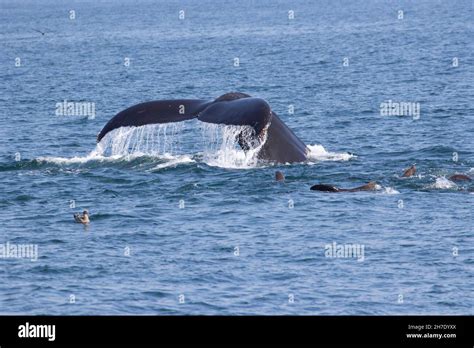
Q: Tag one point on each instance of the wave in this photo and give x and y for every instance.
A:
(319, 153)
(172, 161)
(76, 160)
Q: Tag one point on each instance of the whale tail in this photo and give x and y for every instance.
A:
(281, 144)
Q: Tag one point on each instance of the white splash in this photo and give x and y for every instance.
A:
(172, 161)
(222, 148)
(128, 143)
(92, 156)
(319, 153)
(151, 140)
(390, 191)
(443, 183)
(64, 160)
(386, 190)
(413, 177)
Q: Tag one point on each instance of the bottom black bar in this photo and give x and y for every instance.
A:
(452, 331)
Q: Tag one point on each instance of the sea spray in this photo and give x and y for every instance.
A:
(221, 147)
(153, 140)
(319, 153)
(443, 183)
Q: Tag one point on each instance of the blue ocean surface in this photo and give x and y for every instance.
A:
(182, 220)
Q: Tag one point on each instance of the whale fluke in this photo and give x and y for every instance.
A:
(281, 144)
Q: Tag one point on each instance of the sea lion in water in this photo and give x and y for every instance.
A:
(329, 188)
(280, 145)
(279, 176)
(409, 172)
(460, 177)
(82, 219)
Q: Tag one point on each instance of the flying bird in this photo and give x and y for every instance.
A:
(39, 31)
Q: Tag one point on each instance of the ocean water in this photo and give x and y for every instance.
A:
(182, 222)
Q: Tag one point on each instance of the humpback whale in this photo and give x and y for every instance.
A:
(278, 142)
